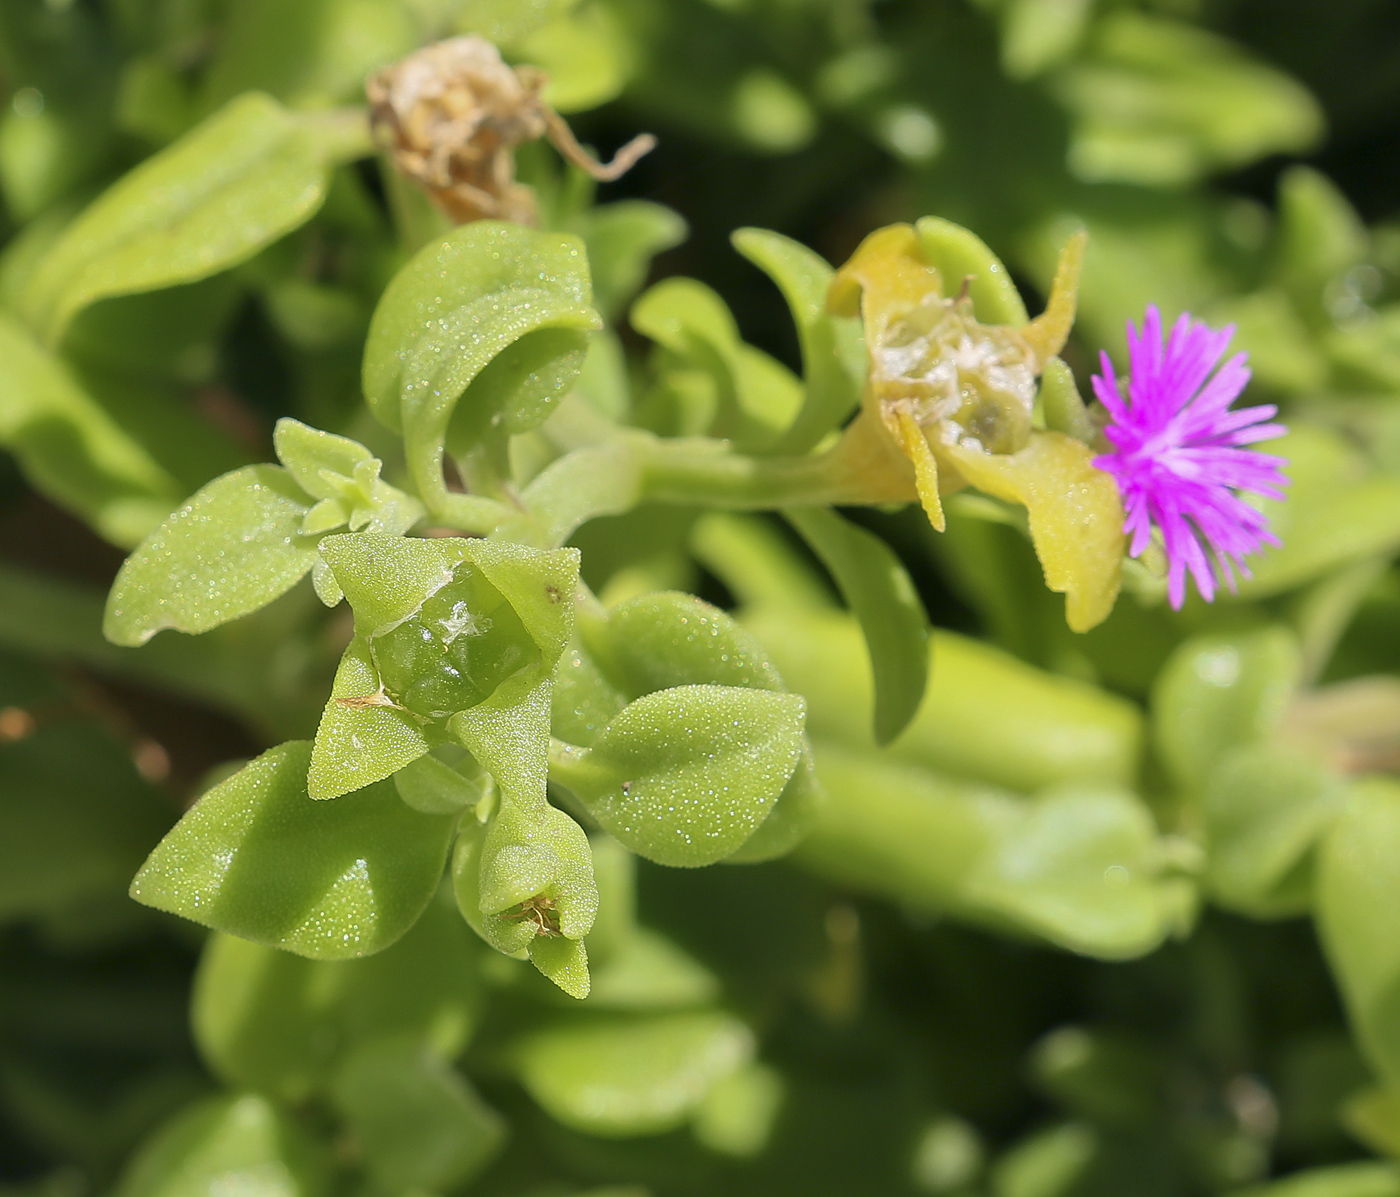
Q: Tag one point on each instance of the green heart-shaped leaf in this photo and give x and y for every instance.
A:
(232, 549)
(658, 641)
(684, 776)
(257, 857)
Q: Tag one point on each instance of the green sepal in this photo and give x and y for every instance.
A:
(386, 578)
(413, 601)
(684, 776)
(524, 882)
(508, 734)
(527, 880)
(256, 857)
(1062, 404)
(563, 961)
(361, 742)
(958, 254)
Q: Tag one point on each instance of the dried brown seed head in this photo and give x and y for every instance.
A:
(451, 116)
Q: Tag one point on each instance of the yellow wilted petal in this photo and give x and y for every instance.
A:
(1076, 516)
(1048, 332)
(915, 446)
(886, 276)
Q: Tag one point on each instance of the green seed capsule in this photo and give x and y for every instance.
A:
(455, 650)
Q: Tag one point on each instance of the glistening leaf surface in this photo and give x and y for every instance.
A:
(685, 776)
(457, 305)
(666, 639)
(257, 857)
(233, 548)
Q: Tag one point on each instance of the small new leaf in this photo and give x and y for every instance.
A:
(232, 549)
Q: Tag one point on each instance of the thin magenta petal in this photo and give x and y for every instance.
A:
(1179, 454)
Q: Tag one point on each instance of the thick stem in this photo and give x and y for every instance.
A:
(863, 468)
(342, 134)
(610, 470)
(476, 515)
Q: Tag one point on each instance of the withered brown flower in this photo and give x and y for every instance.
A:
(451, 116)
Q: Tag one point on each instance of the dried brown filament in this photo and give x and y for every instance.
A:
(451, 115)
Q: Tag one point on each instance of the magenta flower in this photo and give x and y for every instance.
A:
(1178, 456)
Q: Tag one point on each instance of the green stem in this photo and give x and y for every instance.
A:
(708, 472)
(610, 470)
(343, 134)
(475, 515)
